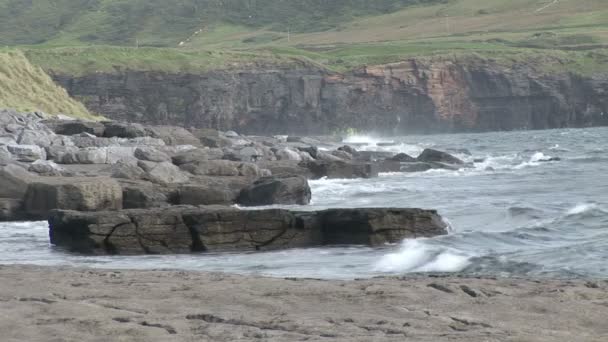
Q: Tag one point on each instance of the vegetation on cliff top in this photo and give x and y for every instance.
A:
(26, 87)
(80, 36)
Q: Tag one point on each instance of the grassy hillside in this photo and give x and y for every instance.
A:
(28, 88)
(80, 36)
(166, 23)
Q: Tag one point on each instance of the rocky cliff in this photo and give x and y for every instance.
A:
(413, 96)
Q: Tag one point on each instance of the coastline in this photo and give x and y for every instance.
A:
(69, 304)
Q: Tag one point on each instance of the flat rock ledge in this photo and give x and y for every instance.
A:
(187, 229)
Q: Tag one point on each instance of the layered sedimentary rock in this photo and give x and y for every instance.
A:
(185, 229)
(417, 95)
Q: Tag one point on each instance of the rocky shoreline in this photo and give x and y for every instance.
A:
(66, 304)
(137, 189)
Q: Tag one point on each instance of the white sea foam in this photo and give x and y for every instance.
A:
(369, 143)
(417, 256)
(582, 208)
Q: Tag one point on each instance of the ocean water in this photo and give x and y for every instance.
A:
(513, 213)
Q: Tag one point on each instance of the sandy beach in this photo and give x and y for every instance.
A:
(67, 304)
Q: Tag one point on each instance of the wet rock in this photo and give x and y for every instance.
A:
(430, 155)
(11, 209)
(404, 158)
(184, 229)
(342, 155)
(287, 167)
(312, 150)
(83, 194)
(276, 190)
(342, 169)
(348, 149)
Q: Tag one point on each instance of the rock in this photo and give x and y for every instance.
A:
(231, 134)
(151, 154)
(348, 149)
(215, 141)
(14, 181)
(286, 168)
(172, 135)
(5, 155)
(83, 194)
(312, 150)
(127, 171)
(376, 227)
(342, 169)
(74, 127)
(143, 195)
(430, 155)
(89, 155)
(276, 190)
(403, 158)
(40, 138)
(47, 168)
(124, 130)
(250, 154)
(222, 168)
(550, 159)
(373, 156)
(204, 195)
(190, 156)
(27, 153)
(11, 209)
(163, 173)
(288, 154)
(342, 155)
(211, 229)
(324, 156)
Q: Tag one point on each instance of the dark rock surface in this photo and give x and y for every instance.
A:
(206, 229)
(276, 190)
(416, 95)
(430, 155)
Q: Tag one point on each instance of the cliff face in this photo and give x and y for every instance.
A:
(413, 96)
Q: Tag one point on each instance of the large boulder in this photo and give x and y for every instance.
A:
(196, 156)
(47, 168)
(288, 154)
(342, 169)
(276, 190)
(163, 173)
(14, 181)
(143, 195)
(286, 168)
(222, 168)
(27, 153)
(210, 191)
(186, 229)
(83, 194)
(127, 171)
(430, 155)
(172, 135)
(72, 127)
(11, 209)
(124, 130)
(378, 226)
(151, 154)
(403, 158)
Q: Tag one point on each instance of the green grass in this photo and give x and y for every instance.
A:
(26, 87)
(166, 23)
(86, 36)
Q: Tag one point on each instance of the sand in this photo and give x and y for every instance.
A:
(68, 304)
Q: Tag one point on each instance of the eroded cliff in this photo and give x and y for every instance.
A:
(416, 95)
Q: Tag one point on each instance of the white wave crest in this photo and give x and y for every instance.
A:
(369, 143)
(582, 208)
(416, 256)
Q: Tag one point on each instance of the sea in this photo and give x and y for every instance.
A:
(530, 204)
